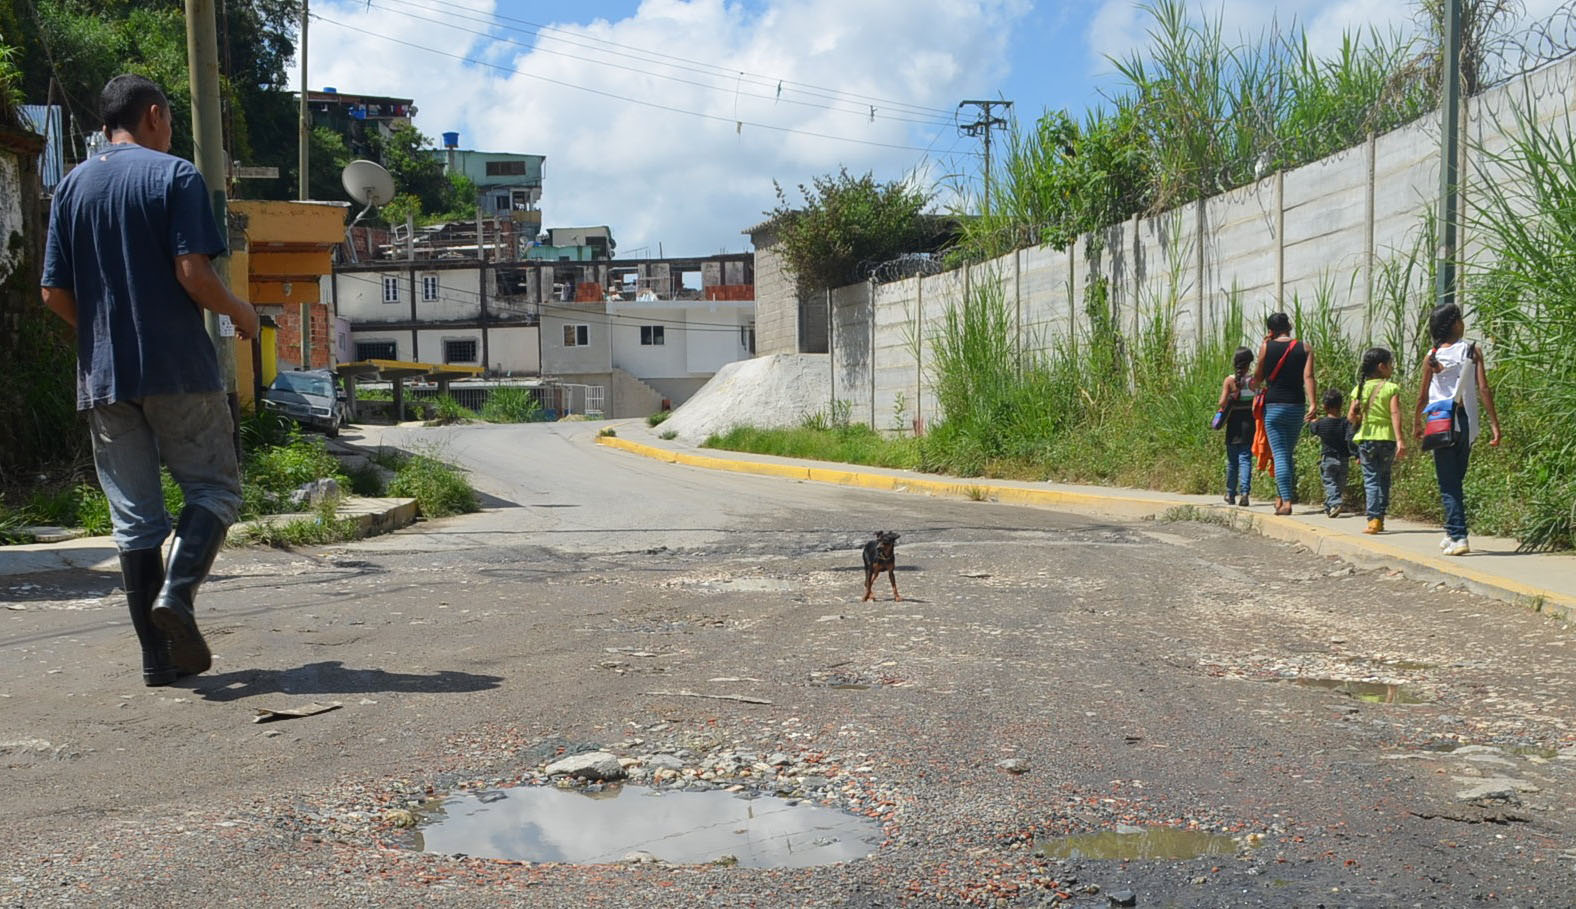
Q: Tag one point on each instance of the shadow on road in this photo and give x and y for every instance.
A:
(333, 677)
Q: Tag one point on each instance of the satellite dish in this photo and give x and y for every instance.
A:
(368, 183)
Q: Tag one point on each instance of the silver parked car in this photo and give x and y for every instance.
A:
(310, 397)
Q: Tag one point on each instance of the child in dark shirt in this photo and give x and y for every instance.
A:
(1334, 452)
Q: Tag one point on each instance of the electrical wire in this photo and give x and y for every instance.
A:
(577, 39)
(614, 95)
(861, 112)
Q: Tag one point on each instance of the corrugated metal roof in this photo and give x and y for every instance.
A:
(44, 119)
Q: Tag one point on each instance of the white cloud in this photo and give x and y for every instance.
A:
(663, 176)
(1120, 27)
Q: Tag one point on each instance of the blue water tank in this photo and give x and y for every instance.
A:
(451, 140)
(329, 89)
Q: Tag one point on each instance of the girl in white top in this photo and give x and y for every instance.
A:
(1454, 370)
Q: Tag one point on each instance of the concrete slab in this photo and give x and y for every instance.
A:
(375, 516)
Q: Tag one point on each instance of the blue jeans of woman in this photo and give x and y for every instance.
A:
(1239, 468)
(1450, 468)
(1283, 425)
(1378, 457)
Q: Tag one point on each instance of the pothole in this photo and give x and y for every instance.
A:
(640, 824)
(1129, 843)
(1369, 692)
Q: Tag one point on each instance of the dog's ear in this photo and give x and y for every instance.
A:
(880, 534)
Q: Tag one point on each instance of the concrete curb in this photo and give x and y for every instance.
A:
(1368, 552)
(374, 516)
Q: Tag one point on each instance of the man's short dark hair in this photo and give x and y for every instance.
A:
(126, 98)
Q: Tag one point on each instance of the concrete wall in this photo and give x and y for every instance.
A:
(360, 295)
(1333, 233)
(784, 322)
(560, 359)
(699, 337)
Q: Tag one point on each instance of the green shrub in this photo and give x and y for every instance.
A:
(365, 480)
(438, 488)
(668, 435)
(606, 432)
(267, 429)
(322, 528)
(658, 418)
(272, 474)
(92, 511)
(511, 405)
(447, 411)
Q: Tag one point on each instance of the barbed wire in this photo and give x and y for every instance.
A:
(903, 267)
(1513, 54)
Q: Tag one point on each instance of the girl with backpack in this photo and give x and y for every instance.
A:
(1376, 412)
(1447, 423)
(1237, 394)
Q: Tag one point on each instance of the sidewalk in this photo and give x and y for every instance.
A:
(1542, 582)
(373, 515)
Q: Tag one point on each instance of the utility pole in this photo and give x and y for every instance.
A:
(306, 122)
(1449, 178)
(983, 126)
(202, 61)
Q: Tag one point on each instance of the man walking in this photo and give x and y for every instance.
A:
(128, 265)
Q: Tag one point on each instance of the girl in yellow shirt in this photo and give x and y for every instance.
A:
(1376, 412)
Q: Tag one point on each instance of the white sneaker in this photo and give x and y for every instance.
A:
(1457, 547)
(1445, 543)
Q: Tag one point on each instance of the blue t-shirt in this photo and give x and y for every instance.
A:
(119, 220)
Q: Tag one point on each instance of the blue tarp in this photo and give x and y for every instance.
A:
(44, 119)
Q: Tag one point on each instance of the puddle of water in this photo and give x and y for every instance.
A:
(1371, 692)
(1141, 843)
(547, 824)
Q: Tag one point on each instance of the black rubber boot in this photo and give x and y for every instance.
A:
(198, 538)
(143, 573)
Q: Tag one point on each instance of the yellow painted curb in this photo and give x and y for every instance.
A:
(1318, 539)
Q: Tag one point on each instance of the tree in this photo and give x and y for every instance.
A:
(847, 222)
(70, 48)
(405, 152)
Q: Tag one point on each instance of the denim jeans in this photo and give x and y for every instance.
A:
(191, 434)
(1378, 458)
(1332, 471)
(1239, 468)
(1450, 468)
(1283, 425)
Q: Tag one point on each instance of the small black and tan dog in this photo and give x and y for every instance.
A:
(881, 555)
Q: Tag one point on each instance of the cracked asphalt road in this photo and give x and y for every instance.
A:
(1149, 674)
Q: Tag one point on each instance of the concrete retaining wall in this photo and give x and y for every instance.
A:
(1337, 232)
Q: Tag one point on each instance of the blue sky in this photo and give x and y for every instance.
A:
(632, 152)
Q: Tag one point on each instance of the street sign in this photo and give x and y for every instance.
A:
(255, 173)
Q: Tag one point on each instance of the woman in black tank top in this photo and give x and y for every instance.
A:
(1285, 373)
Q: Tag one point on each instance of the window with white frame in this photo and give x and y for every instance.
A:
(651, 335)
(391, 288)
(462, 350)
(429, 288)
(577, 335)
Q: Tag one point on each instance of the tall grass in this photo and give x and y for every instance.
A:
(1525, 301)
(1197, 112)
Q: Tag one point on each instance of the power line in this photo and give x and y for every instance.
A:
(739, 124)
(807, 88)
(863, 111)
